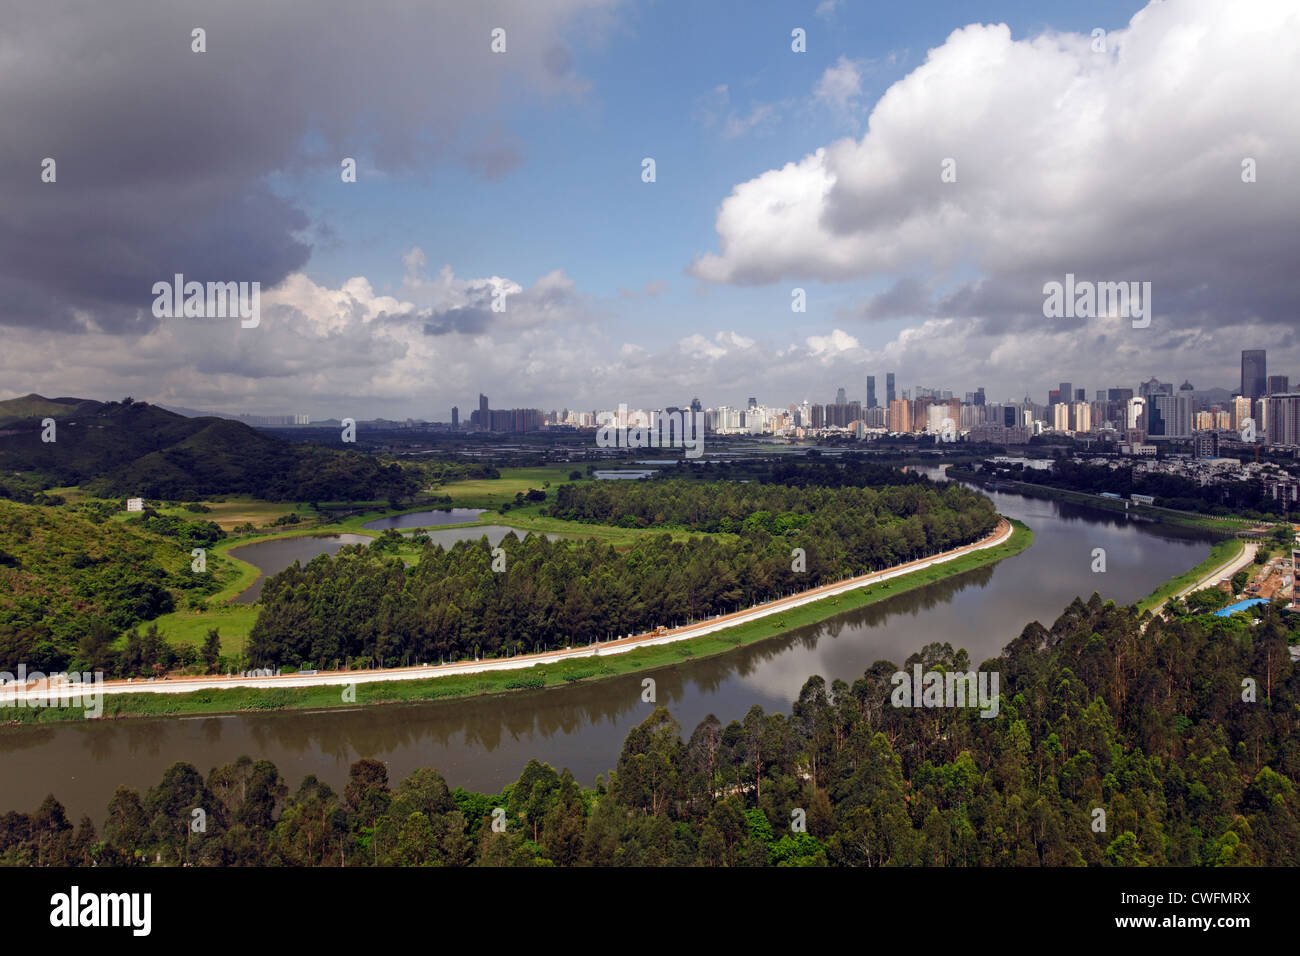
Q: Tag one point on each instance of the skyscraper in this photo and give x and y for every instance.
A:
(1169, 416)
(1284, 419)
(840, 398)
(484, 416)
(1279, 384)
(1254, 373)
(1065, 393)
(455, 418)
(900, 415)
(889, 389)
(871, 391)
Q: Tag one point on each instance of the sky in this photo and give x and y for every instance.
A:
(919, 171)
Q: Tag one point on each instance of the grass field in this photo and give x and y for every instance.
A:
(233, 621)
(537, 677)
(236, 511)
(494, 492)
(1220, 554)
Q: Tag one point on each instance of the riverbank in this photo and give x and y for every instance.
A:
(1166, 516)
(602, 660)
(1225, 559)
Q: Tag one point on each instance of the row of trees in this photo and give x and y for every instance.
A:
(775, 508)
(1111, 747)
(463, 601)
(1171, 491)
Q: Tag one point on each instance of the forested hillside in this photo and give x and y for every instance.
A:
(116, 449)
(362, 605)
(69, 576)
(1095, 715)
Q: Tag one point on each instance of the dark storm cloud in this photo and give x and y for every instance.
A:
(906, 298)
(163, 153)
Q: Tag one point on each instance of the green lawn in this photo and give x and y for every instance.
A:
(234, 621)
(494, 492)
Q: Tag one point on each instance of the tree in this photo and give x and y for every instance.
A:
(211, 651)
(127, 825)
(170, 807)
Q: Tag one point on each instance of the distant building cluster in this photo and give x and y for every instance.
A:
(1263, 410)
(485, 419)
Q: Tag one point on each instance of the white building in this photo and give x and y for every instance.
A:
(135, 504)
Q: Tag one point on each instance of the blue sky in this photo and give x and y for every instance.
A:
(576, 201)
(519, 175)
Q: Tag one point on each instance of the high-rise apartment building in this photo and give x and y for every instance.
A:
(1135, 419)
(1284, 419)
(1169, 416)
(1241, 410)
(900, 414)
(1081, 416)
(1254, 373)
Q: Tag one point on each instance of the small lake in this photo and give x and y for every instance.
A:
(272, 557)
(424, 519)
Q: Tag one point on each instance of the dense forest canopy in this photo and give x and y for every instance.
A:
(1149, 727)
(363, 605)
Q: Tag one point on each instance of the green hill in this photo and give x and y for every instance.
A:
(63, 571)
(121, 449)
(38, 406)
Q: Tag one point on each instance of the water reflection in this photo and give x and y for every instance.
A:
(483, 743)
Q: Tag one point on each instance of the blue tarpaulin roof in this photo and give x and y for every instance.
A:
(1240, 606)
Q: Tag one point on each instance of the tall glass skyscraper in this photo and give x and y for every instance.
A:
(889, 389)
(1254, 373)
(871, 391)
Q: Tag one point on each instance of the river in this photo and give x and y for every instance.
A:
(484, 743)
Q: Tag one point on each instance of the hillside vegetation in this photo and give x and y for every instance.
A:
(132, 448)
(70, 577)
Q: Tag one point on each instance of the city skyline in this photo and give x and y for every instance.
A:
(1274, 384)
